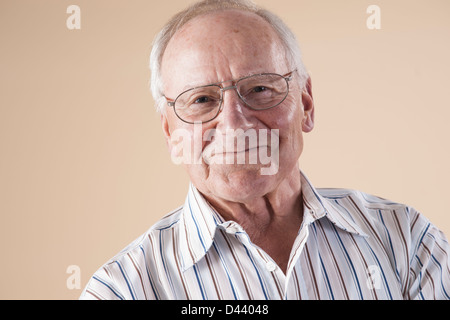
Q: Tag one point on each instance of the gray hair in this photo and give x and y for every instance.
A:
(287, 37)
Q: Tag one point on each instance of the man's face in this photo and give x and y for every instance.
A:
(220, 47)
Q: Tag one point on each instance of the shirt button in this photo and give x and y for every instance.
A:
(270, 266)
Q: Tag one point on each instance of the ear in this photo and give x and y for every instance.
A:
(308, 107)
(166, 129)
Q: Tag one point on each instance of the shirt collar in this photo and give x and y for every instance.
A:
(199, 224)
(316, 206)
(200, 220)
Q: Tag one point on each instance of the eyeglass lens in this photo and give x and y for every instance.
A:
(258, 92)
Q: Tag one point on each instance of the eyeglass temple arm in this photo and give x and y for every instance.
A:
(170, 102)
(288, 76)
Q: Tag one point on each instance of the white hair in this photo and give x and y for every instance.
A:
(287, 37)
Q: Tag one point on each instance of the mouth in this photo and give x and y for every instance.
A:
(248, 156)
(232, 151)
(250, 147)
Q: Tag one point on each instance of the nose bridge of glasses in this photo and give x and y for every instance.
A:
(229, 88)
(235, 87)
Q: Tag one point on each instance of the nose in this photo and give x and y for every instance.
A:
(234, 113)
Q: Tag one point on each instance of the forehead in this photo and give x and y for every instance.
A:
(220, 46)
(227, 23)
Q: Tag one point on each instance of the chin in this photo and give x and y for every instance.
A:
(240, 184)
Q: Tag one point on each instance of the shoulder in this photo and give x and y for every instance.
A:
(388, 222)
(117, 278)
(366, 205)
(366, 200)
(416, 249)
(383, 219)
(152, 236)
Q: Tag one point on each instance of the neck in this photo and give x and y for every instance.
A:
(281, 205)
(272, 221)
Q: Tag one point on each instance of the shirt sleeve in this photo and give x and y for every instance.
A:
(429, 272)
(102, 287)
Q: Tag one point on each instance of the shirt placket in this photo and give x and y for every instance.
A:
(296, 289)
(274, 278)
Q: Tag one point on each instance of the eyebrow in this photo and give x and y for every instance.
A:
(195, 85)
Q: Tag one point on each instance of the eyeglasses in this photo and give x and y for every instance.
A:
(258, 92)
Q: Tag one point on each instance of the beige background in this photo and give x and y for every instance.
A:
(83, 166)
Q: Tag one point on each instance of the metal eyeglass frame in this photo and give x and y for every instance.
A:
(287, 77)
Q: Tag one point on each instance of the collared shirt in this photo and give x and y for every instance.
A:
(350, 245)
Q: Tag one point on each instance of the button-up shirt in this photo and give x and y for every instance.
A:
(350, 245)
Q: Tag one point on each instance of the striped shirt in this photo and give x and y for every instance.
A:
(350, 245)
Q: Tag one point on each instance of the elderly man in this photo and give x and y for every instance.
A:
(253, 228)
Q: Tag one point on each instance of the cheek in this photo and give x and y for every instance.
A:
(287, 117)
(191, 140)
(180, 139)
(289, 122)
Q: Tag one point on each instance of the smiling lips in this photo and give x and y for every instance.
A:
(232, 151)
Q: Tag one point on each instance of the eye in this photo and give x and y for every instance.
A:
(259, 89)
(202, 99)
